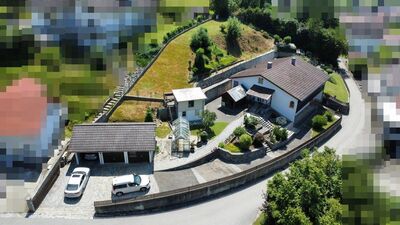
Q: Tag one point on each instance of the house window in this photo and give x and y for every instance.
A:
(260, 80)
(235, 83)
(291, 104)
(191, 104)
(183, 113)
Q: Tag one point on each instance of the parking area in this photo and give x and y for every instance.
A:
(98, 188)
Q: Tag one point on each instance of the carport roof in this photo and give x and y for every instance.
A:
(113, 137)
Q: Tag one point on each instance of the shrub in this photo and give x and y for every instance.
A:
(239, 131)
(287, 40)
(277, 39)
(258, 140)
(329, 115)
(149, 116)
(221, 145)
(204, 136)
(318, 122)
(280, 134)
(200, 39)
(245, 141)
(208, 119)
(199, 61)
(234, 29)
(250, 122)
(222, 28)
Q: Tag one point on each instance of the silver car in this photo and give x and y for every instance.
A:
(77, 182)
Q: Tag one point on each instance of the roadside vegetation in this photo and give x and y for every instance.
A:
(309, 193)
(336, 88)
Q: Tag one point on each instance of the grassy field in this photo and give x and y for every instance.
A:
(216, 129)
(132, 111)
(163, 130)
(336, 87)
(170, 71)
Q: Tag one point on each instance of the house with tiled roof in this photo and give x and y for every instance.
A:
(287, 85)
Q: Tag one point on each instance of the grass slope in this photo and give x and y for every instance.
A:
(337, 88)
(132, 111)
(170, 71)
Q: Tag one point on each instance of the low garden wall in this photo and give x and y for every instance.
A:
(44, 187)
(163, 200)
(236, 68)
(143, 99)
(237, 158)
(333, 103)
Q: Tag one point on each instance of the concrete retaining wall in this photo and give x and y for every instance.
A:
(215, 91)
(44, 187)
(343, 108)
(238, 158)
(227, 73)
(163, 200)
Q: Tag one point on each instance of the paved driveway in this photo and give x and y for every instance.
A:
(98, 188)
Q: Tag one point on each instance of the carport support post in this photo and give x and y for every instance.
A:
(151, 156)
(126, 158)
(101, 158)
(77, 158)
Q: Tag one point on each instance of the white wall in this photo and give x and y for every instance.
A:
(280, 99)
(191, 112)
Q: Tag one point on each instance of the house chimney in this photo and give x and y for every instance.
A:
(269, 65)
(293, 61)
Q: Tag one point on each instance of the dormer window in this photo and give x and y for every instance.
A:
(291, 104)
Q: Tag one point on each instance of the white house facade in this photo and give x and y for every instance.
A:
(287, 85)
(190, 103)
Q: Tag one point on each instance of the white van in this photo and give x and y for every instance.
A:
(130, 183)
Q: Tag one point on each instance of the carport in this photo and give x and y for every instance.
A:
(115, 142)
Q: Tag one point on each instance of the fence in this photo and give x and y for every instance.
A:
(236, 68)
(198, 192)
(42, 189)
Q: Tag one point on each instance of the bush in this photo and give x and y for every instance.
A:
(222, 28)
(221, 145)
(318, 122)
(250, 122)
(234, 29)
(199, 61)
(239, 131)
(329, 115)
(204, 136)
(245, 141)
(200, 39)
(280, 134)
(258, 140)
(287, 40)
(277, 39)
(149, 116)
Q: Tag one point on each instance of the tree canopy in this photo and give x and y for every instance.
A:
(309, 194)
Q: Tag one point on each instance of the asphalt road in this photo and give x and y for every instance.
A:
(240, 207)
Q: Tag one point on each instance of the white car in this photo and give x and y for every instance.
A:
(77, 182)
(130, 183)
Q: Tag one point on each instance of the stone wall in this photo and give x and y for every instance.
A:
(238, 158)
(215, 91)
(227, 73)
(183, 196)
(343, 108)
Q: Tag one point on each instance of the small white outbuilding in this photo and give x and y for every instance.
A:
(190, 103)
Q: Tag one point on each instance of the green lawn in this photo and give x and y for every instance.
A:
(170, 71)
(132, 111)
(163, 130)
(233, 148)
(216, 129)
(336, 87)
(261, 219)
(315, 132)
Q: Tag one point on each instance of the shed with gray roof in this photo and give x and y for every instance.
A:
(114, 142)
